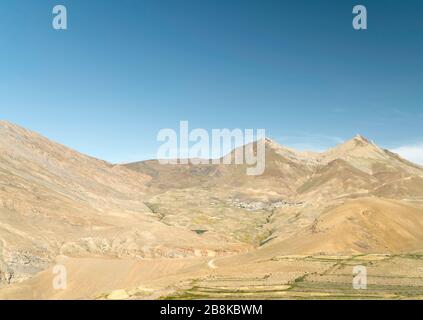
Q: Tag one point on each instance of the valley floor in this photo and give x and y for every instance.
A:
(280, 277)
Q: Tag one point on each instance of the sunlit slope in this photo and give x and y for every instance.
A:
(54, 200)
(366, 225)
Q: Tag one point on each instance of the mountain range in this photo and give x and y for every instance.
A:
(159, 227)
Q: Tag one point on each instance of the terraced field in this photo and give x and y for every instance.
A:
(324, 277)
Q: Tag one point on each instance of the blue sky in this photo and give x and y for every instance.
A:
(126, 69)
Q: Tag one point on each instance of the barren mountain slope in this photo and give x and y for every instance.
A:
(408, 188)
(366, 225)
(294, 190)
(356, 166)
(368, 157)
(283, 172)
(54, 200)
(335, 179)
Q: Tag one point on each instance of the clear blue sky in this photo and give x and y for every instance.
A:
(125, 69)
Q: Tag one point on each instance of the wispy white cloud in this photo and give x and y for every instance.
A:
(413, 153)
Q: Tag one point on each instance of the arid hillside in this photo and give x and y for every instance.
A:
(170, 225)
(54, 200)
(294, 191)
